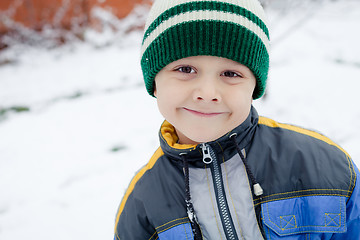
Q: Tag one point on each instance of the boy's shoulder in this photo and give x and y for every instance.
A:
(154, 177)
(289, 135)
(149, 191)
(302, 162)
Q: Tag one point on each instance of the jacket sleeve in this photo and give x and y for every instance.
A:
(352, 213)
(132, 222)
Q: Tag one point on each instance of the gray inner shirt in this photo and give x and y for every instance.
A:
(239, 200)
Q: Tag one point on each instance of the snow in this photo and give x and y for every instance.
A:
(65, 164)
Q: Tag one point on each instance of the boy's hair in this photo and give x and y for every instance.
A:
(233, 29)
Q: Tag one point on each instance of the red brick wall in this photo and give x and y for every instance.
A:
(36, 13)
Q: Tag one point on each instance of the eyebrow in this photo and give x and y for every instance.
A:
(194, 63)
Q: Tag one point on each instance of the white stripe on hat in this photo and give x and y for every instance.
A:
(159, 6)
(205, 15)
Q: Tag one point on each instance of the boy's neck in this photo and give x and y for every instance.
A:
(184, 140)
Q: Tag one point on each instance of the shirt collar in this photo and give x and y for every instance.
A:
(170, 147)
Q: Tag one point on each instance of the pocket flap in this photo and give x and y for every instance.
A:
(321, 214)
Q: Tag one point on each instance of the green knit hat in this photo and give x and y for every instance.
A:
(233, 29)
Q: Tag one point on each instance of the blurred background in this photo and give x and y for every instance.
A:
(76, 122)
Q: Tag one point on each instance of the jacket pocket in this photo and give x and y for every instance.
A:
(175, 231)
(313, 217)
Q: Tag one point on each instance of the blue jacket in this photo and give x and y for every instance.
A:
(310, 188)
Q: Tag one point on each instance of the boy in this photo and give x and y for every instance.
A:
(223, 172)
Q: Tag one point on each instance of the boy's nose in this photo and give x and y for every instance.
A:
(207, 91)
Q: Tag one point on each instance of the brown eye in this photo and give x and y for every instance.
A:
(186, 69)
(230, 74)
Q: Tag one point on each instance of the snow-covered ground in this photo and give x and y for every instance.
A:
(65, 163)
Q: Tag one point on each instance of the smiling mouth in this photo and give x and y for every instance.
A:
(203, 114)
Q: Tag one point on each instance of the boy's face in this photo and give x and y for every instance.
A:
(204, 97)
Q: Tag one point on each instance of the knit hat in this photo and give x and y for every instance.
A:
(232, 29)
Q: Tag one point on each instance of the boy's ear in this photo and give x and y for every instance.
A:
(155, 90)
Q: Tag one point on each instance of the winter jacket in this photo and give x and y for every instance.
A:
(310, 188)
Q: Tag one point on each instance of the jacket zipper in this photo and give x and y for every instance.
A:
(209, 157)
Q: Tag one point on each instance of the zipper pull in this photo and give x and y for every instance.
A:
(207, 159)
